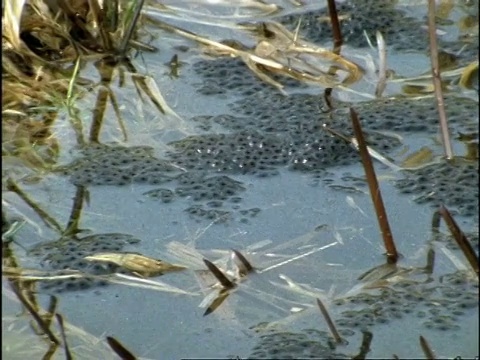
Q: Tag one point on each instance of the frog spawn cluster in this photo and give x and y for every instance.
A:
(454, 184)
(309, 344)
(277, 131)
(400, 29)
(231, 75)
(119, 165)
(270, 131)
(292, 129)
(359, 16)
(68, 253)
(439, 306)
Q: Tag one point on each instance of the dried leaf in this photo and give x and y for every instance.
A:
(418, 158)
(468, 75)
(11, 21)
(137, 263)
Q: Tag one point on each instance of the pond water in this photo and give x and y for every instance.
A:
(238, 165)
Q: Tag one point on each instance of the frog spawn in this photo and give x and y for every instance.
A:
(449, 242)
(441, 306)
(309, 344)
(401, 31)
(277, 113)
(454, 184)
(119, 165)
(69, 253)
(406, 115)
(307, 148)
(279, 131)
(434, 306)
(232, 75)
(246, 152)
(312, 149)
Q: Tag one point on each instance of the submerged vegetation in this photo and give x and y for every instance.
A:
(75, 73)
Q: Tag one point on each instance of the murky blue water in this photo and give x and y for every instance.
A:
(164, 325)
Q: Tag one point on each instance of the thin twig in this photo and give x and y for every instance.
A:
(131, 27)
(77, 207)
(52, 308)
(19, 289)
(68, 354)
(111, 10)
(36, 316)
(375, 193)
(382, 65)
(436, 217)
(337, 45)
(430, 261)
(460, 238)
(437, 80)
(329, 321)
(44, 216)
(119, 349)
(99, 16)
(337, 34)
(427, 350)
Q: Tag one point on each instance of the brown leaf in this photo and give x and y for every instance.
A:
(140, 264)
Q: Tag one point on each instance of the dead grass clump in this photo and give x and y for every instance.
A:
(44, 44)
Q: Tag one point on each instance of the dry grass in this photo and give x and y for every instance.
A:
(45, 49)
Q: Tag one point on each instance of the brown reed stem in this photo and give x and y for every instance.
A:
(427, 350)
(337, 34)
(329, 321)
(337, 44)
(392, 255)
(119, 349)
(68, 354)
(460, 238)
(437, 80)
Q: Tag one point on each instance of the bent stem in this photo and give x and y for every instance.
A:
(365, 346)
